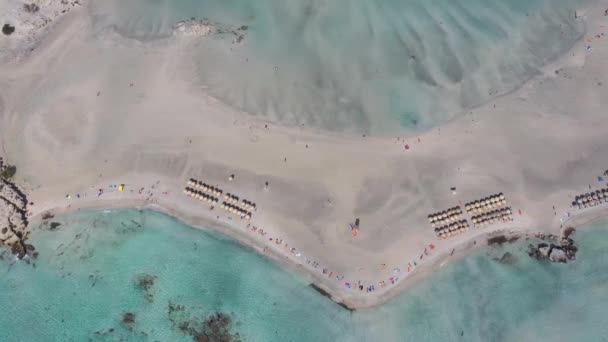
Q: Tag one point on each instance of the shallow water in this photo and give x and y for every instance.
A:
(359, 66)
(87, 272)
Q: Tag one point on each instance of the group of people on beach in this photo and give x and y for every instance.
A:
(348, 284)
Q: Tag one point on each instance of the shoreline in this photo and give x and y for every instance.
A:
(318, 283)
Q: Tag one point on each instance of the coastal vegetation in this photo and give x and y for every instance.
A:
(8, 29)
(8, 171)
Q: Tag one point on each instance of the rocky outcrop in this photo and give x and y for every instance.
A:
(501, 239)
(13, 220)
(206, 28)
(145, 282)
(216, 327)
(563, 252)
(29, 21)
(507, 259)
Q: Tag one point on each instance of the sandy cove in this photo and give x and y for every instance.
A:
(71, 129)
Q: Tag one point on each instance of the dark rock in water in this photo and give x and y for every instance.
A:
(201, 338)
(564, 253)
(558, 255)
(215, 327)
(544, 251)
(54, 225)
(326, 294)
(18, 249)
(128, 318)
(507, 259)
(145, 282)
(568, 231)
(499, 240)
(47, 215)
(320, 291)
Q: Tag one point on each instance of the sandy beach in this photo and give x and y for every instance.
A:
(90, 110)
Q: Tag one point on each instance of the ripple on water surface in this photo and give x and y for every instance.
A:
(360, 66)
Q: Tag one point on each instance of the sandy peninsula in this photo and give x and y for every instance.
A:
(88, 111)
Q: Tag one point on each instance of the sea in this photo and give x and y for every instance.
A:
(139, 275)
(357, 66)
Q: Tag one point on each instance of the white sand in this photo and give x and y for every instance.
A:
(540, 146)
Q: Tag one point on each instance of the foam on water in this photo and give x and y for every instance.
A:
(360, 66)
(86, 274)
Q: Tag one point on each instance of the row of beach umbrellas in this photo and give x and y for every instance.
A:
(594, 195)
(196, 184)
(446, 216)
(489, 222)
(201, 196)
(488, 203)
(236, 210)
(230, 198)
(492, 216)
(591, 199)
(452, 229)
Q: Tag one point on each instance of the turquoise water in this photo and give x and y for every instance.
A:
(87, 274)
(379, 66)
